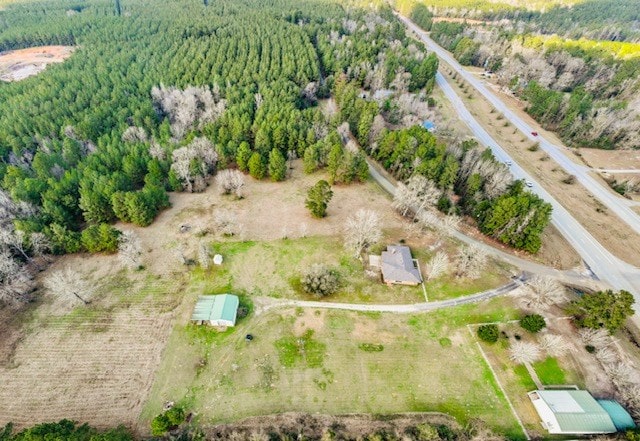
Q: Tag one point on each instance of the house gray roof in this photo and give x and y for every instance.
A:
(575, 411)
(220, 307)
(398, 266)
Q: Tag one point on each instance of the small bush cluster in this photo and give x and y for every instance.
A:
(371, 347)
(321, 280)
(533, 323)
(488, 333)
(167, 420)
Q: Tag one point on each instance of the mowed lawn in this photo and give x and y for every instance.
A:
(335, 362)
(274, 268)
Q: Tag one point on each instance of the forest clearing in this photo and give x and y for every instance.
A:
(16, 65)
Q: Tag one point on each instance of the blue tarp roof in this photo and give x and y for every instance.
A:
(620, 417)
(428, 125)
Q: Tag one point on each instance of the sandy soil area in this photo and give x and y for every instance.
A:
(20, 64)
(606, 227)
(611, 159)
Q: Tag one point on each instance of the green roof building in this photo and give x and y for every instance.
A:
(571, 412)
(219, 310)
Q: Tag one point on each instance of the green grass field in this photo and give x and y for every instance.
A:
(549, 372)
(335, 362)
(274, 269)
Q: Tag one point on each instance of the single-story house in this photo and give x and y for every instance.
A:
(429, 125)
(574, 412)
(219, 310)
(398, 267)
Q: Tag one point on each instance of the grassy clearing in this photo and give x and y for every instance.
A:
(303, 360)
(274, 268)
(550, 372)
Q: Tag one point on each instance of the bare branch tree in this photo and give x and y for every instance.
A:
(134, 134)
(40, 244)
(68, 284)
(16, 284)
(606, 355)
(14, 240)
(622, 374)
(543, 293)
(156, 151)
(129, 249)
(230, 181)
(524, 352)
(554, 344)
(200, 151)
(471, 261)
(361, 231)
(204, 257)
(418, 194)
(226, 222)
(598, 338)
(438, 265)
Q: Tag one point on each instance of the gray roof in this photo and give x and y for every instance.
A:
(398, 266)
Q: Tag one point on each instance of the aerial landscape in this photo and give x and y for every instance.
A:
(315, 220)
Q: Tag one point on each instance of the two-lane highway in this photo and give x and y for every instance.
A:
(605, 265)
(618, 205)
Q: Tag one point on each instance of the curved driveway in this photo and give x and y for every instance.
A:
(606, 266)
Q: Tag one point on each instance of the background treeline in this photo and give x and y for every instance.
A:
(585, 90)
(471, 180)
(614, 20)
(86, 143)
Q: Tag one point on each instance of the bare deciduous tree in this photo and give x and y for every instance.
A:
(544, 292)
(524, 352)
(606, 355)
(226, 223)
(14, 240)
(230, 181)
(471, 261)
(204, 257)
(201, 152)
(156, 151)
(621, 373)
(16, 284)
(554, 344)
(40, 244)
(134, 134)
(361, 231)
(190, 108)
(438, 265)
(68, 284)
(129, 249)
(418, 194)
(598, 338)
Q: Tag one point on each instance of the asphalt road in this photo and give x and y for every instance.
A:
(604, 265)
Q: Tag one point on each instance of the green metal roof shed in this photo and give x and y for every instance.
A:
(218, 310)
(571, 412)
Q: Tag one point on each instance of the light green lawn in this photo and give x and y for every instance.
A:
(335, 362)
(274, 269)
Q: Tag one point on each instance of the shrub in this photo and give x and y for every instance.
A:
(167, 420)
(590, 349)
(569, 179)
(534, 147)
(488, 333)
(100, 238)
(320, 280)
(533, 323)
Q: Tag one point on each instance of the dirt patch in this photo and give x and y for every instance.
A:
(366, 330)
(20, 64)
(611, 159)
(310, 319)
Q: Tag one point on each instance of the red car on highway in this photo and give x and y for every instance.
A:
(534, 133)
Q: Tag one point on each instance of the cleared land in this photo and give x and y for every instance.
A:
(19, 64)
(606, 227)
(97, 363)
(611, 159)
(304, 359)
